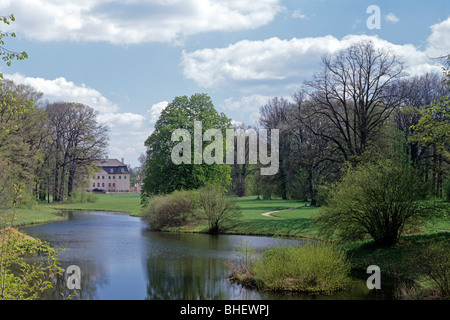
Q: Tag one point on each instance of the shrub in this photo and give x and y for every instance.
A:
(172, 210)
(435, 259)
(304, 268)
(242, 267)
(380, 199)
(81, 196)
(216, 207)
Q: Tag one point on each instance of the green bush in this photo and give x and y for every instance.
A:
(304, 268)
(435, 259)
(81, 196)
(216, 207)
(172, 210)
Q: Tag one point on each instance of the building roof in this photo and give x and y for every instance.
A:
(112, 166)
(109, 163)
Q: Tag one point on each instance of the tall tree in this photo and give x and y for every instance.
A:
(162, 175)
(77, 141)
(356, 91)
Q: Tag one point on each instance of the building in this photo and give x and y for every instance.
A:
(112, 176)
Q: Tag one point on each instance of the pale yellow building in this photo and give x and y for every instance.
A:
(112, 176)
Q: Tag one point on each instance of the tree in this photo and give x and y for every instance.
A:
(216, 207)
(382, 199)
(77, 141)
(162, 175)
(240, 172)
(274, 115)
(354, 94)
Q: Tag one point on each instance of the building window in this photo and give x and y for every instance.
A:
(109, 185)
(114, 177)
(98, 185)
(124, 177)
(120, 177)
(93, 185)
(103, 177)
(103, 184)
(98, 177)
(114, 185)
(109, 177)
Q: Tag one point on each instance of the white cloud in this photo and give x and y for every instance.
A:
(155, 111)
(60, 89)
(283, 62)
(126, 119)
(439, 40)
(390, 17)
(135, 21)
(248, 106)
(298, 14)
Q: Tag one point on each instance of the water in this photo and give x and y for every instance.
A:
(120, 259)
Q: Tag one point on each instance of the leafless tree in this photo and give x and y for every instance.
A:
(356, 91)
(77, 140)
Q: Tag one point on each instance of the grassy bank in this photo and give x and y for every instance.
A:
(288, 218)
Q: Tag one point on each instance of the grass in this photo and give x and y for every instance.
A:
(298, 221)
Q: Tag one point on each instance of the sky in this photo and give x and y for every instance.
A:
(128, 59)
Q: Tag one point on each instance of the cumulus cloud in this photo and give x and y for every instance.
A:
(247, 106)
(298, 14)
(282, 61)
(60, 89)
(155, 111)
(390, 17)
(135, 21)
(439, 39)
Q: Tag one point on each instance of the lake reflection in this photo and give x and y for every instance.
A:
(120, 259)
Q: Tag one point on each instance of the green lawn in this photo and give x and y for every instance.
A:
(123, 202)
(298, 221)
(295, 222)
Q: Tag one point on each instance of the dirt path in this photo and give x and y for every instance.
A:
(269, 214)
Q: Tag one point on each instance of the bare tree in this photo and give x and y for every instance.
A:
(274, 115)
(77, 140)
(357, 90)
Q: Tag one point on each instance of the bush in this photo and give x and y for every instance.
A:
(172, 210)
(436, 261)
(303, 268)
(380, 199)
(216, 207)
(81, 196)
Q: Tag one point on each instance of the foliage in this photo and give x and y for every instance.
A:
(319, 267)
(82, 196)
(434, 126)
(162, 176)
(435, 260)
(381, 199)
(171, 210)
(27, 265)
(216, 207)
(21, 279)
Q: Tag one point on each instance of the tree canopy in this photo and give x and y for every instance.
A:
(162, 175)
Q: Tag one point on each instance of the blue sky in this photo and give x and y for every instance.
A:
(128, 59)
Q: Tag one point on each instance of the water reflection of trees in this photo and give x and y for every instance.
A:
(92, 278)
(189, 278)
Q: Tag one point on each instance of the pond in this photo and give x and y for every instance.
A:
(120, 259)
